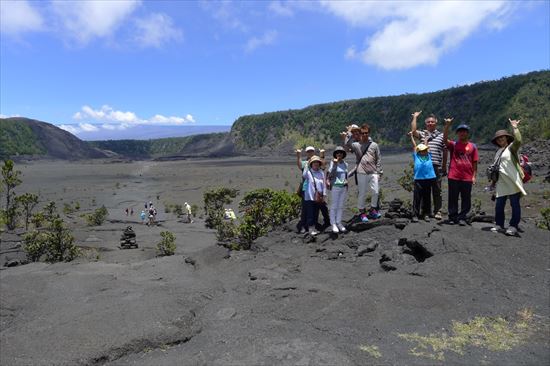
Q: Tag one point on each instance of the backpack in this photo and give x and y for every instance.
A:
(526, 167)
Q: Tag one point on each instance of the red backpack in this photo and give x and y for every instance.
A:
(526, 167)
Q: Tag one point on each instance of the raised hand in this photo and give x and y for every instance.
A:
(448, 121)
(416, 114)
(514, 122)
(298, 151)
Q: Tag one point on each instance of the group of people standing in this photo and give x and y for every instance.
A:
(430, 158)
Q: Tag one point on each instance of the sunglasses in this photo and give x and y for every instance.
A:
(365, 133)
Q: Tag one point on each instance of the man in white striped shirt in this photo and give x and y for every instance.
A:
(437, 148)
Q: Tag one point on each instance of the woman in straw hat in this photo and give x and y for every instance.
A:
(508, 182)
(315, 194)
(337, 182)
(424, 178)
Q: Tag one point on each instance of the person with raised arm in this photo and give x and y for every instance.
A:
(437, 149)
(462, 172)
(509, 179)
(424, 176)
(367, 172)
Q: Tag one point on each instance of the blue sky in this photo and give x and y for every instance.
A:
(118, 65)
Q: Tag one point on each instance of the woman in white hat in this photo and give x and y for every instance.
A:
(424, 177)
(315, 194)
(508, 182)
(337, 182)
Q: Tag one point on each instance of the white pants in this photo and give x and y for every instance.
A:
(337, 200)
(367, 182)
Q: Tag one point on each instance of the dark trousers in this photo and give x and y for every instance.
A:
(323, 207)
(516, 210)
(422, 196)
(302, 223)
(436, 190)
(312, 214)
(464, 190)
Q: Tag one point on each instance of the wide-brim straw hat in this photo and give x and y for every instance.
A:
(315, 158)
(339, 149)
(421, 147)
(499, 133)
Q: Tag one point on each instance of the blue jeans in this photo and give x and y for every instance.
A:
(516, 210)
(312, 214)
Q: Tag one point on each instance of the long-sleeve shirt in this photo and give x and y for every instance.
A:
(316, 182)
(368, 163)
(510, 172)
(338, 173)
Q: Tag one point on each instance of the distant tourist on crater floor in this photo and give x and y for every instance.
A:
(189, 212)
(142, 216)
(508, 178)
(437, 149)
(462, 172)
(337, 182)
(367, 171)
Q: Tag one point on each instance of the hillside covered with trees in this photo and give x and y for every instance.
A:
(485, 106)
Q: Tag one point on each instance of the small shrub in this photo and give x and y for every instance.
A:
(77, 206)
(544, 221)
(214, 201)
(407, 179)
(98, 217)
(194, 210)
(56, 243)
(167, 245)
(67, 209)
(38, 219)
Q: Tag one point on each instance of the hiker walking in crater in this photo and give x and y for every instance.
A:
(508, 180)
(367, 172)
(315, 194)
(437, 149)
(189, 212)
(303, 164)
(337, 182)
(462, 172)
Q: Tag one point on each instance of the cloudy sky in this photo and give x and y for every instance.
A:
(113, 65)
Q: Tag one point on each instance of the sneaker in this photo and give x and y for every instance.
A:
(462, 223)
(414, 219)
(313, 232)
(342, 228)
(438, 216)
(497, 229)
(302, 231)
(335, 229)
(511, 231)
(364, 218)
(374, 214)
(427, 218)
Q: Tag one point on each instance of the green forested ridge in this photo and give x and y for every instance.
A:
(156, 147)
(17, 138)
(485, 106)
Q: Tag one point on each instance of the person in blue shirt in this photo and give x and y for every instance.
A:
(337, 182)
(424, 176)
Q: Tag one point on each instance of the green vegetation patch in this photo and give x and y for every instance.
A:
(17, 138)
(372, 350)
(494, 334)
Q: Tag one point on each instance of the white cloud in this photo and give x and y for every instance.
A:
(414, 33)
(226, 13)
(156, 30)
(268, 38)
(88, 127)
(278, 8)
(112, 117)
(19, 17)
(85, 20)
(70, 128)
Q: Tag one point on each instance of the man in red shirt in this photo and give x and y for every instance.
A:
(462, 172)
